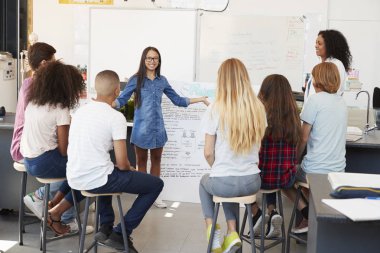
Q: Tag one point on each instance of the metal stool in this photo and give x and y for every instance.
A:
(247, 201)
(299, 186)
(43, 238)
(95, 244)
(275, 240)
(21, 168)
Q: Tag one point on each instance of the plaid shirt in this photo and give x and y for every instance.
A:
(277, 163)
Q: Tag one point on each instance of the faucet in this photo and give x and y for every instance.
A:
(367, 128)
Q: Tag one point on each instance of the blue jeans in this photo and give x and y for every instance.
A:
(146, 186)
(227, 187)
(51, 164)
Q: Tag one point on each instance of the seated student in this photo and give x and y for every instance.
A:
(278, 152)
(234, 126)
(55, 90)
(324, 127)
(38, 54)
(95, 129)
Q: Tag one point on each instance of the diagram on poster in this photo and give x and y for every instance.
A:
(183, 163)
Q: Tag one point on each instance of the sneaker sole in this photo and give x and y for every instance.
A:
(234, 244)
(275, 226)
(300, 231)
(29, 203)
(257, 227)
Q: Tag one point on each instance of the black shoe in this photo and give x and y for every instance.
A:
(115, 240)
(103, 233)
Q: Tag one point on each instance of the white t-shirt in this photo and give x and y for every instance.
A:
(326, 146)
(93, 129)
(342, 74)
(40, 129)
(227, 163)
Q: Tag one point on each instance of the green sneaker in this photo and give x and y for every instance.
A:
(216, 244)
(231, 243)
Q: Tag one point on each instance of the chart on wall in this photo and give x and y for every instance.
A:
(183, 163)
(266, 45)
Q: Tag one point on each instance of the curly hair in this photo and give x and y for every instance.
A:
(336, 46)
(56, 84)
(282, 114)
(326, 77)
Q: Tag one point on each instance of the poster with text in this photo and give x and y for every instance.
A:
(183, 163)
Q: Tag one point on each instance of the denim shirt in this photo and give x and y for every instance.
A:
(148, 124)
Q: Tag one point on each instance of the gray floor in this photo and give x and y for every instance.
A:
(177, 229)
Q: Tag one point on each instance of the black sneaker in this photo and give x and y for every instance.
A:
(115, 240)
(103, 233)
(274, 225)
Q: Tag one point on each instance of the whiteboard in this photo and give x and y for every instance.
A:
(118, 37)
(266, 45)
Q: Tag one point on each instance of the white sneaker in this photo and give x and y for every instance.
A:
(217, 242)
(159, 203)
(74, 227)
(34, 204)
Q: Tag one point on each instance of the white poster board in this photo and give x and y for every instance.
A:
(119, 36)
(265, 44)
(183, 163)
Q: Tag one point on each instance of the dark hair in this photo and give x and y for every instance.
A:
(281, 108)
(38, 52)
(56, 83)
(141, 73)
(336, 46)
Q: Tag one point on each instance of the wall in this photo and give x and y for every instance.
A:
(66, 26)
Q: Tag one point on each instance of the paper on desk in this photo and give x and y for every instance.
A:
(337, 179)
(356, 209)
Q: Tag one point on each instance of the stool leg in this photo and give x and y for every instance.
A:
(292, 219)
(248, 210)
(96, 222)
(83, 232)
(216, 211)
(77, 213)
(21, 214)
(281, 210)
(262, 236)
(44, 220)
(123, 228)
(244, 222)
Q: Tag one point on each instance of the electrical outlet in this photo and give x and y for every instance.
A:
(8, 75)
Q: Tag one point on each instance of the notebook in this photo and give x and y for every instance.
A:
(338, 179)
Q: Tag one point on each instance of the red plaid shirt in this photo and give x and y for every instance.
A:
(277, 163)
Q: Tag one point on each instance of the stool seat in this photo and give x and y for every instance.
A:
(50, 180)
(269, 191)
(243, 200)
(19, 167)
(90, 194)
(302, 184)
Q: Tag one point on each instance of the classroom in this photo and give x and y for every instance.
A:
(168, 162)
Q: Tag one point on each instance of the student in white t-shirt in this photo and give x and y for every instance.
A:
(55, 90)
(332, 46)
(324, 126)
(234, 126)
(95, 130)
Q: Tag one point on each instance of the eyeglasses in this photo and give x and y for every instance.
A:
(149, 59)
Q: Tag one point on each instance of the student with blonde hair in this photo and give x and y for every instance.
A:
(234, 126)
(324, 126)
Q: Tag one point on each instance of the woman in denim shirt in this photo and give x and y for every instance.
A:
(149, 131)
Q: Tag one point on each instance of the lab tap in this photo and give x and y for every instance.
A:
(367, 128)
